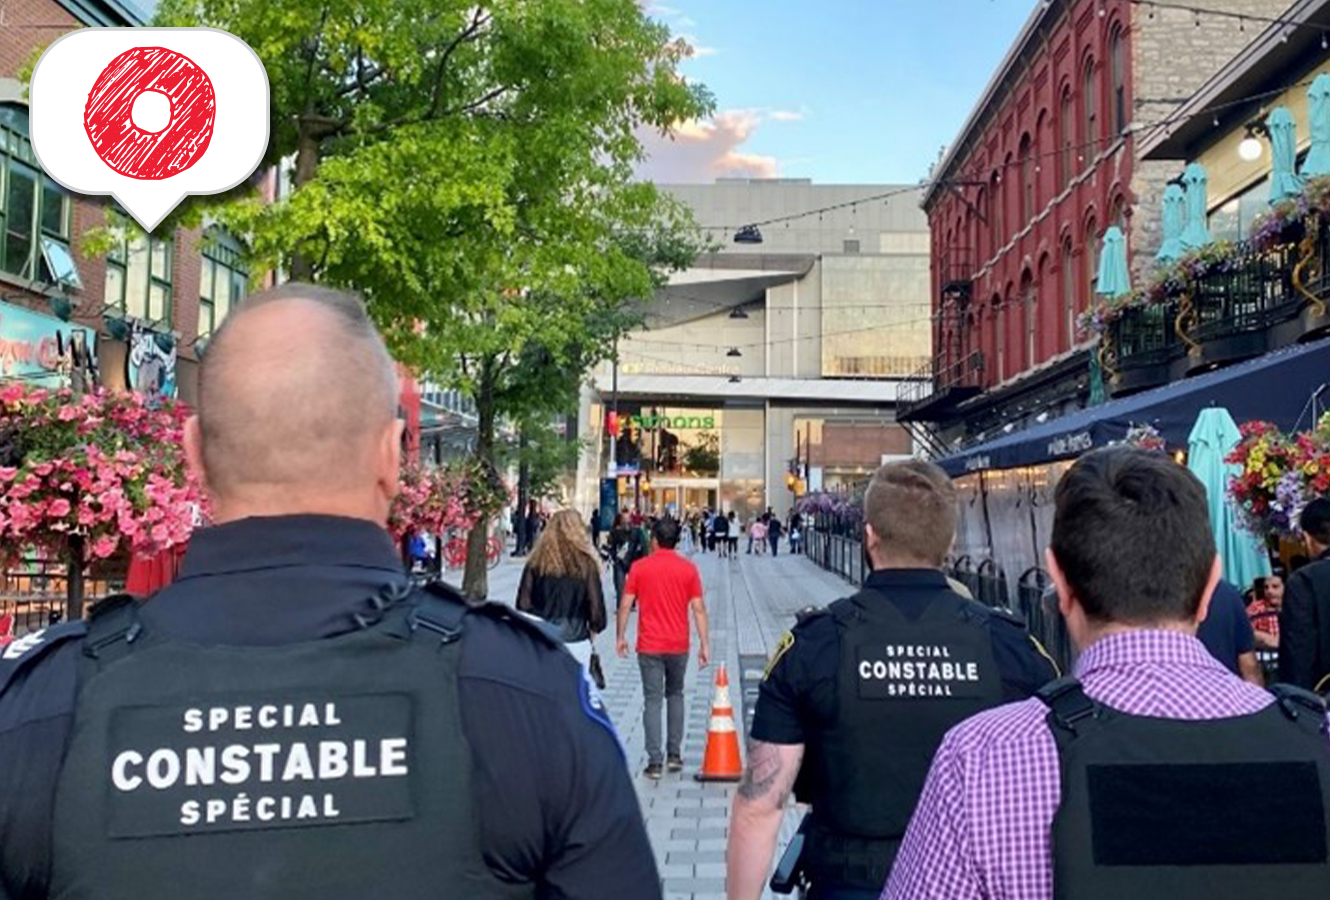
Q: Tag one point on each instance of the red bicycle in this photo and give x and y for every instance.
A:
(454, 551)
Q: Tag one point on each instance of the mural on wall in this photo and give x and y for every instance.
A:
(45, 351)
(150, 366)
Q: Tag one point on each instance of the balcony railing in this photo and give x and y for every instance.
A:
(946, 379)
(1256, 301)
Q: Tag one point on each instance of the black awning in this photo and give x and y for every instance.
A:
(1275, 387)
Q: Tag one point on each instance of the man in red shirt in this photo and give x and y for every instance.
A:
(667, 586)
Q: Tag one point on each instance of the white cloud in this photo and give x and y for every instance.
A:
(786, 115)
(702, 151)
(699, 50)
(685, 22)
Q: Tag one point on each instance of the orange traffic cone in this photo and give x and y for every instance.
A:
(721, 761)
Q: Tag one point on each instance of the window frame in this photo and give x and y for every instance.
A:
(1025, 153)
(1118, 78)
(1068, 292)
(17, 157)
(222, 253)
(1089, 112)
(1091, 261)
(1066, 137)
(122, 259)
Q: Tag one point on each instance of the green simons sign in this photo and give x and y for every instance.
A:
(652, 423)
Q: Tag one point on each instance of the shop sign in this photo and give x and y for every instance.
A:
(654, 423)
(1067, 444)
(44, 351)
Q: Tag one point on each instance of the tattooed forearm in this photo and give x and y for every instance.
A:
(772, 769)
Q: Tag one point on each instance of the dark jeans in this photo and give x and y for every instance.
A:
(662, 680)
(775, 544)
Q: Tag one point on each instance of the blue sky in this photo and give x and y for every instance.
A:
(840, 91)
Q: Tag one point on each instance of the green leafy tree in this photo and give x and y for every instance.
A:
(468, 168)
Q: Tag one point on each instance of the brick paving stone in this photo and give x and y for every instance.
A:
(751, 604)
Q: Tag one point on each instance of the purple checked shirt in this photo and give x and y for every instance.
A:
(982, 828)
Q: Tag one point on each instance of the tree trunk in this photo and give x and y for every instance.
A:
(74, 583)
(475, 580)
(307, 164)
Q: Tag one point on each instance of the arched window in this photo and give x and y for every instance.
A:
(1027, 180)
(1117, 212)
(1029, 319)
(981, 204)
(1090, 109)
(1118, 72)
(1000, 334)
(1066, 130)
(996, 235)
(1068, 294)
(1091, 262)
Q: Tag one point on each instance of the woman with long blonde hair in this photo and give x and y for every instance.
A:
(561, 583)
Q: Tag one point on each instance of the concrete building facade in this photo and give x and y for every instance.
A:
(767, 369)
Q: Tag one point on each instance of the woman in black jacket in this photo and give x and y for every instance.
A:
(561, 584)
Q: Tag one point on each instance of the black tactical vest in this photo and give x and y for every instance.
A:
(328, 769)
(902, 684)
(1212, 809)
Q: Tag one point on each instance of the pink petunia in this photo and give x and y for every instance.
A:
(104, 546)
(58, 509)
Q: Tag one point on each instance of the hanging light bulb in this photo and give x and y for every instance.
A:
(1250, 148)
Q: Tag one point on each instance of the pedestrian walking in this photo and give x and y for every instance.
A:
(774, 534)
(796, 532)
(732, 536)
(595, 528)
(535, 521)
(721, 528)
(757, 536)
(1304, 622)
(625, 548)
(292, 708)
(666, 588)
(1106, 785)
(858, 697)
(561, 584)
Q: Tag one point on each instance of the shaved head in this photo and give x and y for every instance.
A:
(297, 408)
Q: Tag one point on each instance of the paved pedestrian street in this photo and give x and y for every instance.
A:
(751, 601)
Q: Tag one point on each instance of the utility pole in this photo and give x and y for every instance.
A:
(613, 470)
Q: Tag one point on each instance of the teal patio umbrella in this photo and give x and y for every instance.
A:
(1284, 180)
(1174, 213)
(1213, 437)
(1114, 280)
(1195, 232)
(1318, 116)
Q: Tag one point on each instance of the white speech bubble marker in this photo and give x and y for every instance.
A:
(149, 115)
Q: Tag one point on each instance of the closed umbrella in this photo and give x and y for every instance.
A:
(1213, 437)
(1174, 213)
(1195, 233)
(1114, 280)
(1318, 106)
(1284, 180)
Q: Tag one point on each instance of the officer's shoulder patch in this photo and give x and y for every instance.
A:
(782, 647)
(26, 651)
(593, 707)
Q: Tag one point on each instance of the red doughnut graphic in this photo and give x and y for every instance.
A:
(148, 155)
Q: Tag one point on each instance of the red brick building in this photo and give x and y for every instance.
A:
(178, 284)
(1018, 205)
